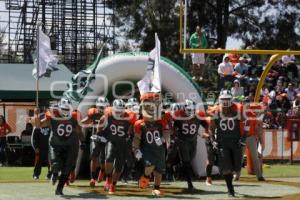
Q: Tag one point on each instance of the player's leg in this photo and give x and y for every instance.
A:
(157, 181)
(110, 157)
(119, 164)
(226, 165)
(63, 177)
(236, 158)
(237, 174)
(95, 153)
(210, 163)
(144, 179)
(37, 166)
(185, 155)
(49, 174)
(102, 162)
(160, 168)
(56, 161)
(128, 162)
(72, 175)
(69, 161)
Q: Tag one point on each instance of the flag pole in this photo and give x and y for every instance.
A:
(37, 64)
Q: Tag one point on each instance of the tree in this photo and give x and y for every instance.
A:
(269, 24)
(140, 19)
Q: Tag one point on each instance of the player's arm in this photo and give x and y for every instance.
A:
(102, 124)
(137, 137)
(86, 120)
(41, 123)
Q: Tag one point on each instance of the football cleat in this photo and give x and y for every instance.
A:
(157, 193)
(100, 176)
(54, 179)
(72, 177)
(92, 182)
(208, 181)
(107, 184)
(112, 189)
(59, 191)
(143, 182)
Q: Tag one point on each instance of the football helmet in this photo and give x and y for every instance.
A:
(102, 102)
(131, 102)
(189, 107)
(225, 98)
(118, 107)
(65, 107)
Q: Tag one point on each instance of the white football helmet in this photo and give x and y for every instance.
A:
(65, 107)
(102, 102)
(225, 98)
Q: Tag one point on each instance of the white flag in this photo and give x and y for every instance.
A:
(47, 60)
(151, 80)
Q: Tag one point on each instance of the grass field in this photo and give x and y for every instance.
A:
(25, 173)
(283, 183)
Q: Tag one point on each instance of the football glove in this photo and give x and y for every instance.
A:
(138, 154)
(97, 138)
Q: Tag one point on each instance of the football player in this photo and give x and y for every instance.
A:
(115, 125)
(64, 141)
(226, 123)
(188, 123)
(97, 148)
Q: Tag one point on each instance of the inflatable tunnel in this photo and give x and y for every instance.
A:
(102, 77)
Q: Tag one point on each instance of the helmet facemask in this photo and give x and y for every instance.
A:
(118, 108)
(65, 108)
(226, 102)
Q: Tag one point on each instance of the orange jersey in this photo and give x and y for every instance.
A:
(3, 129)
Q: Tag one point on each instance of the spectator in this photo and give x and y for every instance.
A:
(289, 62)
(296, 102)
(217, 58)
(241, 69)
(40, 144)
(234, 58)
(264, 91)
(291, 92)
(283, 102)
(4, 130)
(237, 91)
(198, 40)
(279, 87)
(225, 70)
(268, 119)
(28, 130)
